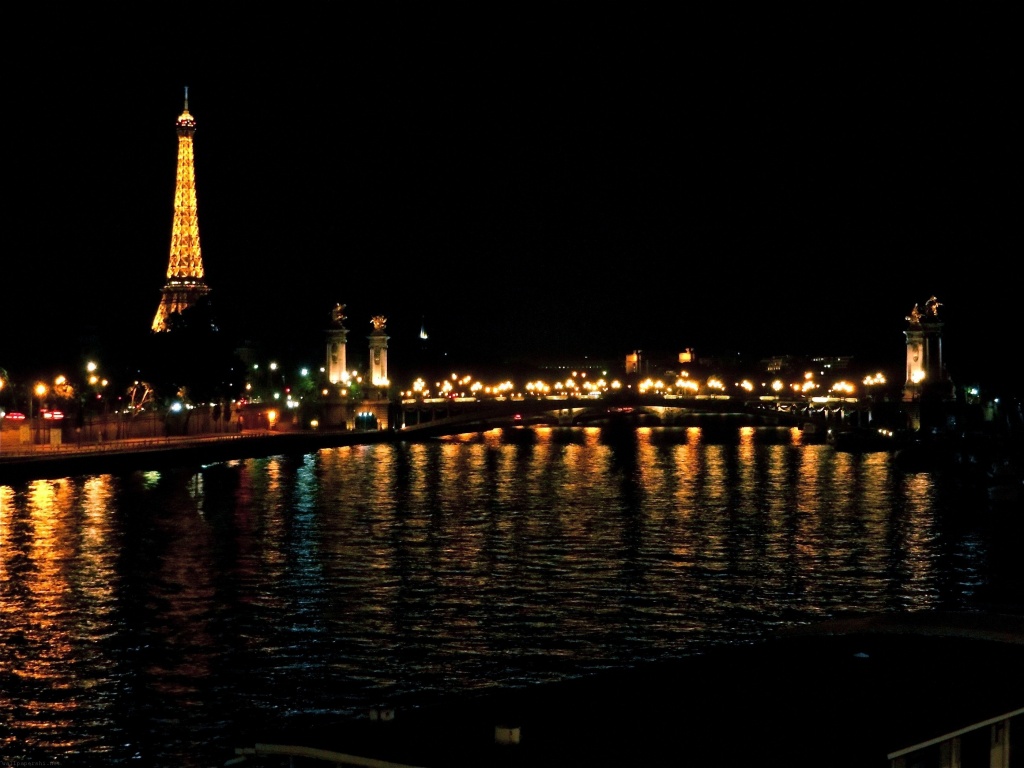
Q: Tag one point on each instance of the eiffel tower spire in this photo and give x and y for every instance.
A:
(185, 284)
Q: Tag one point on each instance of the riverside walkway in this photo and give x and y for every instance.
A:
(27, 461)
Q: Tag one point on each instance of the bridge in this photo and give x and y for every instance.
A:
(440, 416)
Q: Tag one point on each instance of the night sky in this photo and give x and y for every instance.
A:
(528, 185)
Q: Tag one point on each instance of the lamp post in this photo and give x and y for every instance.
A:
(98, 386)
(3, 381)
(92, 379)
(40, 391)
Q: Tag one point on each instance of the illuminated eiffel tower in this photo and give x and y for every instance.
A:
(185, 285)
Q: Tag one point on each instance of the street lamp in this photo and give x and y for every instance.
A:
(3, 381)
(40, 392)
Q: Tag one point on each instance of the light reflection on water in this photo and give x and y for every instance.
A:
(153, 617)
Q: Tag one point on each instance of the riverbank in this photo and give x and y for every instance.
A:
(994, 463)
(24, 462)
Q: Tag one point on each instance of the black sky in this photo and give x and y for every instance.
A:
(528, 184)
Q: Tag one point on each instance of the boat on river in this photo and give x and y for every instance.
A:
(863, 439)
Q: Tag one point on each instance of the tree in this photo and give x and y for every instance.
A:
(192, 356)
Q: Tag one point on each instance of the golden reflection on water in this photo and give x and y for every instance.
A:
(6, 519)
(53, 555)
(264, 483)
(97, 552)
(46, 582)
(917, 533)
(649, 475)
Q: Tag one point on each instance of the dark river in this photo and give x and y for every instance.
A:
(159, 618)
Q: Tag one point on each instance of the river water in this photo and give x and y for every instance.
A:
(161, 618)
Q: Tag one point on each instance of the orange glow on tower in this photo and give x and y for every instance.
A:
(185, 284)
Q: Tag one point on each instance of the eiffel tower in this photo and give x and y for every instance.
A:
(185, 285)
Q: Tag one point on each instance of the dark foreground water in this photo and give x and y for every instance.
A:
(161, 618)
